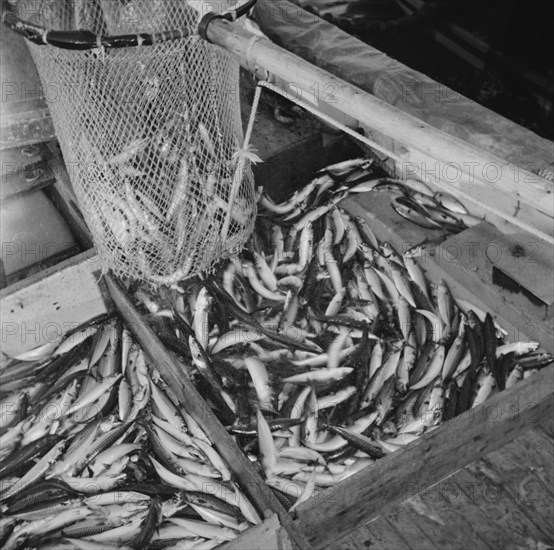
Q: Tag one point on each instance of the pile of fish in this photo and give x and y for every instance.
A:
(94, 454)
(410, 198)
(322, 349)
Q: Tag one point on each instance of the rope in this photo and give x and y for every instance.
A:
(447, 187)
(242, 156)
(253, 112)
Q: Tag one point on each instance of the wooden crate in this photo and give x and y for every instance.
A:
(46, 306)
(51, 303)
(375, 505)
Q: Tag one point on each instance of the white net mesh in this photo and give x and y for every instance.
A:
(148, 134)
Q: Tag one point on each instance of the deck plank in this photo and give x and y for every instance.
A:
(377, 535)
(534, 451)
(478, 482)
(45, 306)
(264, 535)
(24, 182)
(432, 458)
(463, 516)
(445, 526)
(408, 524)
(512, 471)
(547, 427)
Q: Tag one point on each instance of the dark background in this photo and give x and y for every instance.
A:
(512, 41)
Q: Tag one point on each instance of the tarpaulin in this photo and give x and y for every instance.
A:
(343, 55)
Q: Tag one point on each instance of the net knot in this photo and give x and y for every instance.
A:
(244, 154)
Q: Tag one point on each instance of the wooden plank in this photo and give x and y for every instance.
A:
(16, 159)
(425, 528)
(63, 197)
(410, 527)
(482, 200)
(25, 117)
(3, 277)
(50, 261)
(189, 398)
(257, 52)
(267, 534)
(32, 231)
(429, 459)
(455, 500)
(28, 123)
(461, 262)
(379, 534)
(44, 307)
(514, 65)
(547, 427)
(30, 179)
(37, 184)
(455, 48)
(511, 475)
(284, 541)
(532, 452)
(525, 264)
(71, 214)
(495, 507)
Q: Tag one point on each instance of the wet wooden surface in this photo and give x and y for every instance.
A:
(434, 457)
(504, 500)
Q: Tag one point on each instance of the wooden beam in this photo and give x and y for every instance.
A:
(463, 158)
(464, 512)
(431, 458)
(16, 159)
(377, 534)
(38, 267)
(64, 198)
(478, 197)
(25, 182)
(27, 123)
(44, 307)
(189, 398)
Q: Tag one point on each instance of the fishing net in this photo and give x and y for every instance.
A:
(151, 134)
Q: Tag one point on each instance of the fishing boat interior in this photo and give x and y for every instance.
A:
(276, 274)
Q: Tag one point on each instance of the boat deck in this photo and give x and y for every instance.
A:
(504, 500)
(482, 480)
